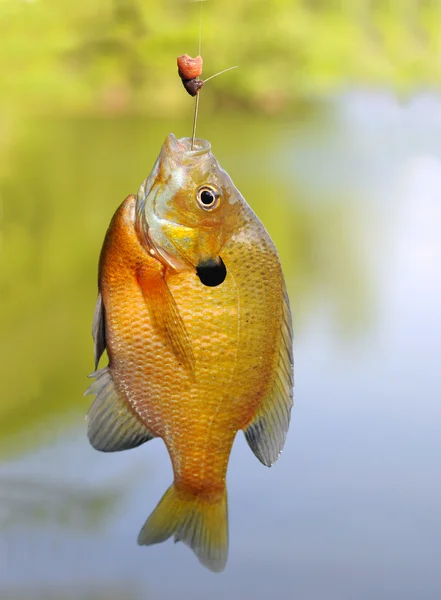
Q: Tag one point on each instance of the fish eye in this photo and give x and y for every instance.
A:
(208, 197)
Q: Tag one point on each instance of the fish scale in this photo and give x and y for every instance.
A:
(191, 361)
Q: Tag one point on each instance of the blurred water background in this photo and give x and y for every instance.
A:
(331, 128)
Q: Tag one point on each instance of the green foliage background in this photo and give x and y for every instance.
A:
(120, 55)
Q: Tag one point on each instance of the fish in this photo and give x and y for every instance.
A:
(194, 314)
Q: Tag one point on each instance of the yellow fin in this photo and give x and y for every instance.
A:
(112, 426)
(267, 431)
(200, 523)
(166, 318)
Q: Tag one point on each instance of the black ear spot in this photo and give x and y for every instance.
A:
(211, 272)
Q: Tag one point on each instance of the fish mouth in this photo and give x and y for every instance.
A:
(187, 146)
(200, 146)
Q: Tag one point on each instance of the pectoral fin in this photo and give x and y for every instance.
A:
(112, 425)
(99, 329)
(166, 318)
(267, 431)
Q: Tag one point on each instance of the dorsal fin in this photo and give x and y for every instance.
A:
(112, 425)
(99, 329)
(267, 431)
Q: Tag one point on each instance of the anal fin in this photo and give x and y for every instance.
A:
(267, 431)
(112, 426)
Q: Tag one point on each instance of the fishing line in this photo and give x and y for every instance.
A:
(195, 90)
(200, 28)
(220, 73)
(196, 106)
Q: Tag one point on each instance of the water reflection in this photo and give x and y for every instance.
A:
(351, 510)
(112, 591)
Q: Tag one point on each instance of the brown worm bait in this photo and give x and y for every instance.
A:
(190, 69)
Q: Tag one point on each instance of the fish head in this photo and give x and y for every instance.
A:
(188, 207)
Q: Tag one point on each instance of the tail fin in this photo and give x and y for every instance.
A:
(200, 523)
